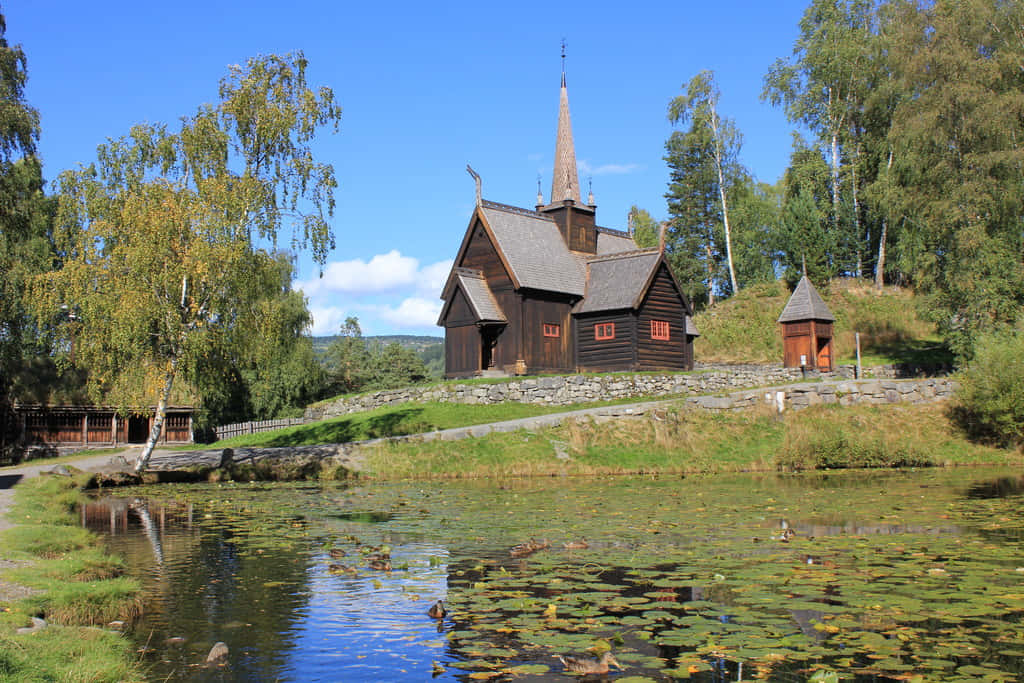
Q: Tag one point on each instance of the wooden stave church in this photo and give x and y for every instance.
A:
(549, 291)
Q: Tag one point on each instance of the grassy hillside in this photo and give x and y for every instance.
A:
(744, 328)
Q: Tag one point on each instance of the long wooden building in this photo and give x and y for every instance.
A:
(547, 290)
(63, 426)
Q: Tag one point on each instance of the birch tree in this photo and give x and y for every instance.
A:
(699, 104)
(167, 238)
(824, 84)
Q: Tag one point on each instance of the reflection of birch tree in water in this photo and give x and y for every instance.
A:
(149, 528)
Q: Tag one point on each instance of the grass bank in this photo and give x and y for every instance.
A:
(743, 328)
(680, 442)
(59, 574)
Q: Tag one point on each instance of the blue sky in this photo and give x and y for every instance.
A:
(426, 88)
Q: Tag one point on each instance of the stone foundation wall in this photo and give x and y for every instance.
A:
(570, 389)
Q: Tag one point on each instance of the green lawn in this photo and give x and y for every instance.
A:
(399, 420)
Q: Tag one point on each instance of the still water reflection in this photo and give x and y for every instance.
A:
(876, 576)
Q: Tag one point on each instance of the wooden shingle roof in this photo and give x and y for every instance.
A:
(534, 249)
(478, 294)
(805, 304)
(618, 281)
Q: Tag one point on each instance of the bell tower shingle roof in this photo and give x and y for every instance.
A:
(565, 180)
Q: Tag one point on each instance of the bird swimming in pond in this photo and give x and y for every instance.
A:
(437, 610)
(576, 545)
(341, 569)
(586, 665)
(336, 552)
(529, 548)
(380, 565)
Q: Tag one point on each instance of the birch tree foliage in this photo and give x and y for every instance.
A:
(24, 224)
(163, 237)
(824, 83)
(958, 172)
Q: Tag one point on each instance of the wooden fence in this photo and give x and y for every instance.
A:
(227, 431)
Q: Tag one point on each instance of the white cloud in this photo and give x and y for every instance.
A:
(327, 320)
(608, 169)
(382, 273)
(389, 293)
(413, 313)
(433, 277)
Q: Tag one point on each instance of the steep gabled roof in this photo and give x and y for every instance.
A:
(618, 281)
(478, 295)
(805, 304)
(532, 246)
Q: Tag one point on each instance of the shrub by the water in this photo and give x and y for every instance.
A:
(990, 401)
(818, 441)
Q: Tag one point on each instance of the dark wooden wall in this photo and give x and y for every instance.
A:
(461, 351)
(578, 227)
(593, 355)
(663, 302)
(95, 426)
(482, 255)
(459, 312)
(547, 354)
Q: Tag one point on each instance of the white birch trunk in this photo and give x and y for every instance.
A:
(158, 419)
(716, 134)
(880, 266)
(856, 213)
(711, 278)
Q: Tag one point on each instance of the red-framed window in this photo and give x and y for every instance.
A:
(552, 330)
(603, 331)
(659, 330)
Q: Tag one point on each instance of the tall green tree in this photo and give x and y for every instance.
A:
(804, 239)
(699, 106)
(823, 86)
(959, 160)
(756, 214)
(162, 234)
(24, 219)
(694, 236)
(348, 360)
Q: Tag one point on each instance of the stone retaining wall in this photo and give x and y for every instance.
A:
(870, 392)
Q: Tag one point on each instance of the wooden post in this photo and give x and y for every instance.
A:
(856, 337)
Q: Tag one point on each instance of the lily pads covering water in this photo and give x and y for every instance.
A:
(851, 576)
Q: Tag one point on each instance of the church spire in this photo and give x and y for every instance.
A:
(565, 181)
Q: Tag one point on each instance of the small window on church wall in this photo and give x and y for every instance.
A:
(659, 330)
(604, 331)
(552, 330)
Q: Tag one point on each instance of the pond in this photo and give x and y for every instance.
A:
(875, 576)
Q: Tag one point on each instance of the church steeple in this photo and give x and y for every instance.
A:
(565, 181)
